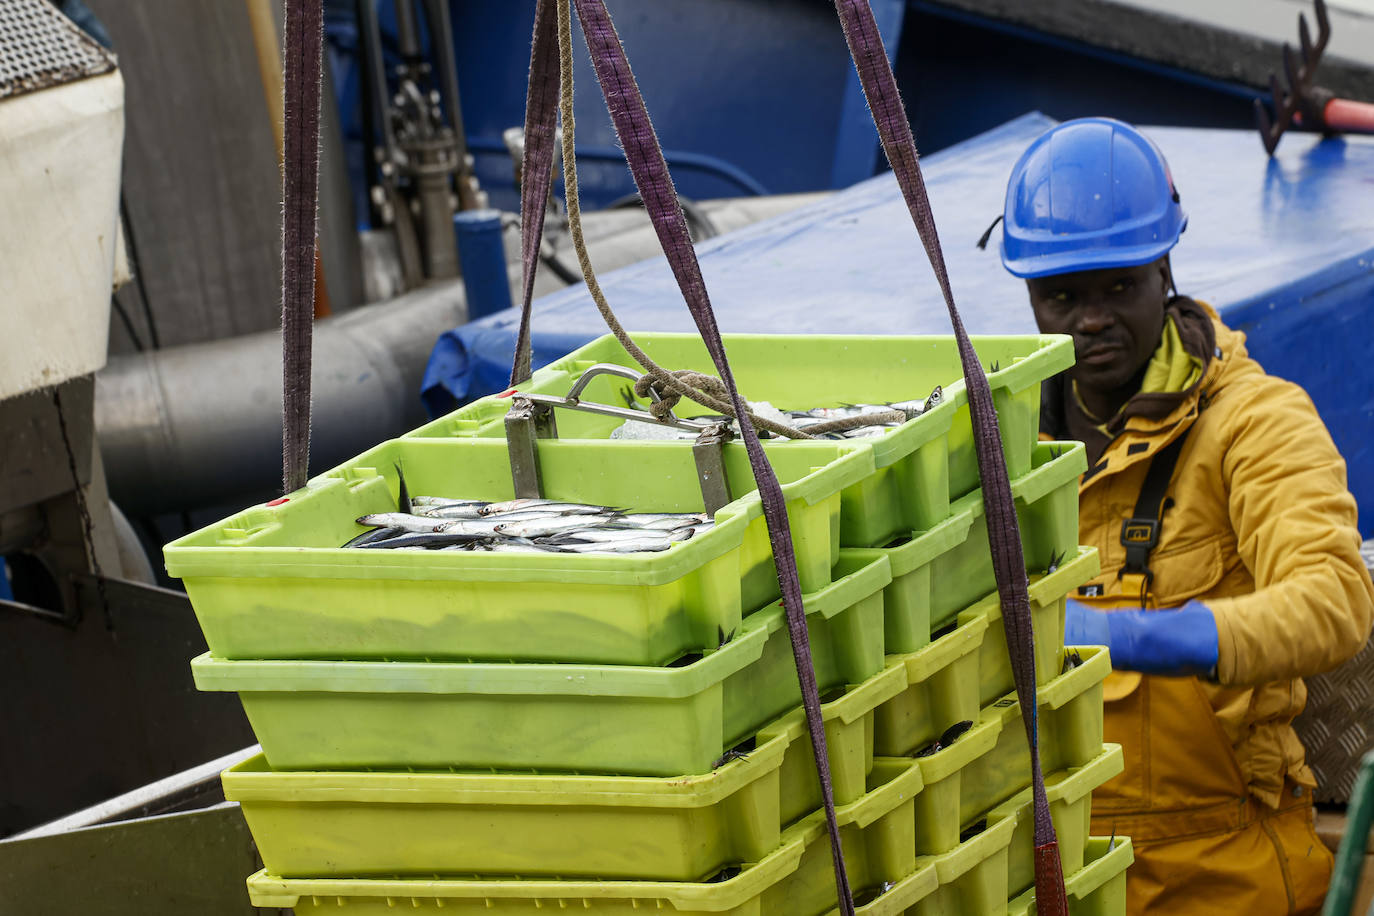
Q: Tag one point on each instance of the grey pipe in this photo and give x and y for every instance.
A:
(200, 425)
(197, 425)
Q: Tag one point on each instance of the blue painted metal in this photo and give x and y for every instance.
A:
(772, 103)
(1283, 247)
(755, 95)
(482, 254)
(856, 139)
(1106, 55)
(743, 183)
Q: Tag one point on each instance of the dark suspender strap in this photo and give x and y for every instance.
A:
(1140, 532)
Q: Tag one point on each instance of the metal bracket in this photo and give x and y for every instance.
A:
(709, 453)
(527, 422)
(531, 417)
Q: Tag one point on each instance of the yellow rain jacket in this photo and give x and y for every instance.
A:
(1260, 526)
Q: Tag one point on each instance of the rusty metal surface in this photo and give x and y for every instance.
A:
(1337, 727)
(41, 48)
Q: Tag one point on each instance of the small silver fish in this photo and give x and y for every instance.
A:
(639, 545)
(511, 505)
(376, 534)
(542, 527)
(402, 520)
(665, 521)
(421, 539)
(455, 510)
(612, 535)
(553, 505)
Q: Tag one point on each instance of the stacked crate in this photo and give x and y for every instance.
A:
(476, 731)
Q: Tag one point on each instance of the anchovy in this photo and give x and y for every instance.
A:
(376, 534)
(612, 535)
(639, 545)
(511, 505)
(516, 505)
(401, 520)
(455, 510)
(665, 521)
(421, 539)
(445, 501)
(541, 527)
(620, 536)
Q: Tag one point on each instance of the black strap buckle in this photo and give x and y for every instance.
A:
(1139, 536)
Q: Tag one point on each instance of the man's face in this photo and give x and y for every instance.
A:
(1115, 316)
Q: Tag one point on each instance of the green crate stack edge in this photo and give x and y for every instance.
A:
(853, 570)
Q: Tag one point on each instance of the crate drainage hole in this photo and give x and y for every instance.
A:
(725, 874)
(738, 752)
(972, 830)
(682, 661)
(948, 737)
(833, 694)
(868, 894)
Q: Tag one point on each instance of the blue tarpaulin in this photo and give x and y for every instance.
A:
(1283, 247)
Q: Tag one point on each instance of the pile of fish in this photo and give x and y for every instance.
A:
(524, 526)
(884, 419)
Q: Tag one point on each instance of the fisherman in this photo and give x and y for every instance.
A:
(1218, 505)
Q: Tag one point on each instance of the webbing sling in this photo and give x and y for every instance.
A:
(1140, 532)
(300, 173)
(650, 171)
(1004, 538)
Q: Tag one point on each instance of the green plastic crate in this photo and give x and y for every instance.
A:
(572, 718)
(942, 571)
(919, 466)
(973, 875)
(950, 680)
(314, 824)
(1070, 733)
(358, 824)
(990, 762)
(848, 720)
(273, 582)
(939, 810)
(1098, 888)
(1070, 797)
(1047, 593)
(942, 689)
(876, 831)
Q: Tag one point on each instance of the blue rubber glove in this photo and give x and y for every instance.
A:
(1174, 641)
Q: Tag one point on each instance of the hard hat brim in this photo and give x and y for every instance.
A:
(1068, 262)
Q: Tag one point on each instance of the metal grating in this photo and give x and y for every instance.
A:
(1337, 727)
(40, 48)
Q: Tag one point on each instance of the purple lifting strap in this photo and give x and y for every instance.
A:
(655, 186)
(1004, 538)
(300, 173)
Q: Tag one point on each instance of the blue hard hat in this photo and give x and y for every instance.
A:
(1089, 194)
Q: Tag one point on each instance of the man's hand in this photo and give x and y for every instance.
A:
(1175, 642)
